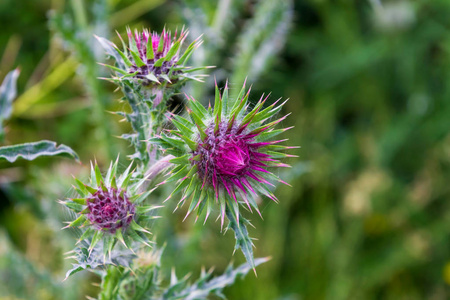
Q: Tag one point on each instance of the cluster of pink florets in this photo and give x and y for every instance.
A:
(110, 210)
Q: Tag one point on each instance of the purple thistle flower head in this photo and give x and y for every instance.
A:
(228, 158)
(110, 209)
(226, 153)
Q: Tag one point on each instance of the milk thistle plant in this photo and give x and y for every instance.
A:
(219, 158)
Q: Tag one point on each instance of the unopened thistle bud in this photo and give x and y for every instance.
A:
(225, 154)
(152, 59)
(109, 209)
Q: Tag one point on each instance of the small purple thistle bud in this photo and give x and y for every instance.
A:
(110, 210)
(154, 61)
(151, 62)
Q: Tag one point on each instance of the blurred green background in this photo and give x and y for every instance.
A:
(368, 213)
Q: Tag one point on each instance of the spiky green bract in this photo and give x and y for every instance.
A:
(223, 156)
(153, 60)
(110, 209)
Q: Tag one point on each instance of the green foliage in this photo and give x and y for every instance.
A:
(207, 285)
(369, 96)
(76, 29)
(94, 259)
(148, 281)
(115, 193)
(30, 151)
(8, 93)
(250, 48)
(21, 277)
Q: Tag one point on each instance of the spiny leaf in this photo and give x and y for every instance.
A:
(31, 151)
(8, 93)
(238, 225)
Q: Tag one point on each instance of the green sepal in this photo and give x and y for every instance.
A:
(124, 57)
(123, 239)
(138, 199)
(225, 99)
(113, 182)
(191, 144)
(98, 175)
(138, 236)
(124, 179)
(182, 160)
(239, 104)
(161, 42)
(196, 119)
(137, 59)
(269, 134)
(74, 206)
(182, 120)
(187, 54)
(217, 105)
(267, 113)
(249, 117)
(176, 143)
(103, 186)
(77, 222)
(152, 77)
(81, 201)
(182, 128)
(150, 53)
(111, 171)
(146, 208)
(198, 108)
(90, 189)
(81, 188)
(95, 239)
(178, 175)
(159, 62)
(136, 227)
(108, 245)
(115, 69)
(165, 77)
(87, 233)
(172, 51)
(202, 133)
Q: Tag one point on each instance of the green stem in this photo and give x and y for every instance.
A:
(110, 284)
(80, 13)
(140, 120)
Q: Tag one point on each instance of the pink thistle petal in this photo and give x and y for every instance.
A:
(238, 184)
(263, 144)
(258, 163)
(262, 180)
(245, 198)
(253, 176)
(230, 190)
